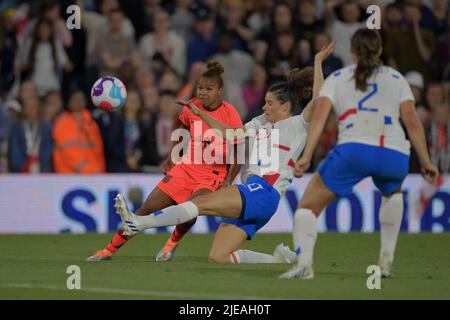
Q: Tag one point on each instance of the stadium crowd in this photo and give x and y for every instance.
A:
(160, 48)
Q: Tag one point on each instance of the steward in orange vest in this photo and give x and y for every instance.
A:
(78, 144)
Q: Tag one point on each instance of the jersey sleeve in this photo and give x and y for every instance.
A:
(234, 120)
(255, 123)
(329, 88)
(185, 116)
(405, 91)
(299, 121)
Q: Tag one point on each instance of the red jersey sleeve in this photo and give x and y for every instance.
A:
(185, 116)
(186, 113)
(233, 120)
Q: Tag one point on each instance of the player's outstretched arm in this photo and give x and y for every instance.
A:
(238, 135)
(417, 137)
(319, 118)
(319, 58)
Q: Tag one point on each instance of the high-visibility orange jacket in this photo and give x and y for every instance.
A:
(78, 144)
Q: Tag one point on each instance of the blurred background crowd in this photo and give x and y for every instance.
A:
(160, 48)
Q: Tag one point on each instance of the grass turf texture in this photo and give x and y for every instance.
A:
(34, 267)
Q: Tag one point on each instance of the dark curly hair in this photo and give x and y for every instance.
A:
(296, 89)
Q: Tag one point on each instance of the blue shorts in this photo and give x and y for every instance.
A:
(259, 203)
(350, 163)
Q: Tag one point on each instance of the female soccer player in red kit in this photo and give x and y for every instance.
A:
(189, 178)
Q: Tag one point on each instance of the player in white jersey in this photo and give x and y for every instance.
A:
(369, 100)
(248, 206)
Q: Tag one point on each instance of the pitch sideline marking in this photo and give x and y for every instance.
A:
(149, 293)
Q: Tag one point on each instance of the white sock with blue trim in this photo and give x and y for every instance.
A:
(248, 256)
(391, 213)
(305, 234)
(170, 216)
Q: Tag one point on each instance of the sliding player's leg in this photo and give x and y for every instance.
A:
(227, 240)
(156, 200)
(226, 202)
(168, 250)
(230, 238)
(256, 201)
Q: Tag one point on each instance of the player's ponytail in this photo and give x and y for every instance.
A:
(214, 70)
(366, 44)
(296, 89)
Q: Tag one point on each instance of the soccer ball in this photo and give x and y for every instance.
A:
(108, 93)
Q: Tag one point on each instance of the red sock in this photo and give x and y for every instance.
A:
(118, 240)
(181, 230)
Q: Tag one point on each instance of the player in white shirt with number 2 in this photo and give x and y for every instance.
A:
(369, 100)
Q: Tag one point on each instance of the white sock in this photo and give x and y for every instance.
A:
(248, 256)
(305, 234)
(170, 216)
(391, 213)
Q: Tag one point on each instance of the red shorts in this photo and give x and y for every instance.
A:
(181, 182)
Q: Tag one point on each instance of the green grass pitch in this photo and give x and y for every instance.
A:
(34, 267)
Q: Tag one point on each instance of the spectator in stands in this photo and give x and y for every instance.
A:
(332, 63)
(150, 98)
(203, 44)
(164, 125)
(114, 48)
(282, 21)
(438, 134)
(121, 133)
(183, 19)
(43, 59)
(150, 157)
(30, 141)
(442, 33)
(419, 44)
(132, 131)
(260, 18)
(52, 106)
(188, 90)
(440, 10)
(127, 73)
(150, 8)
(9, 113)
(27, 90)
(416, 82)
(169, 81)
(96, 25)
(234, 22)
(50, 10)
(427, 20)
(254, 91)
(393, 18)
(281, 57)
(238, 64)
(308, 23)
(78, 143)
(166, 42)
(144, 79)
(435, 95)
(343, 28)
(8, 50)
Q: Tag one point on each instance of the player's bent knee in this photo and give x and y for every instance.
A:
(215, 257)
